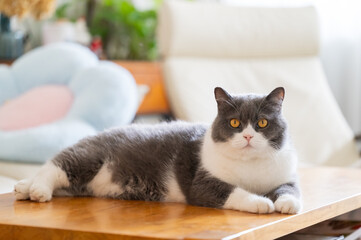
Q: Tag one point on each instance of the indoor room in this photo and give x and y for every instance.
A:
(180, 119)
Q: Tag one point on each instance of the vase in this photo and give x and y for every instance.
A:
(11, 42)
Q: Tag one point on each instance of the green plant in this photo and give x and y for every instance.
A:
(71, 10)
(126, 32)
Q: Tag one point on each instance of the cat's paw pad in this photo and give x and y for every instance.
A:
(40, 193)
(21, 189)
(288, 204)
(261, 205)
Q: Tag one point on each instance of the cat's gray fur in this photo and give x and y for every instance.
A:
(140, 158)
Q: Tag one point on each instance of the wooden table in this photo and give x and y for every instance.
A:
(327, 192)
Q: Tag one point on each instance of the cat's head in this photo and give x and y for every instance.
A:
(250, 123)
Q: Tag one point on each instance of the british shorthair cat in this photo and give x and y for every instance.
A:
(243, 161)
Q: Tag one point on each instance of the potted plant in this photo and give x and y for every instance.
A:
(127, 31)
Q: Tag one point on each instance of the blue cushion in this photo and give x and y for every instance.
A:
(105, 96)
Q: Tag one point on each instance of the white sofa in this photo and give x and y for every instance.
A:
(10, 173)
(6, 184)
(254, 49)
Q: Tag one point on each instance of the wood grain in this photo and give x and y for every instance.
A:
(327, 192)
(149, 73)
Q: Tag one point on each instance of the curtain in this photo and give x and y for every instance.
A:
(341, 54)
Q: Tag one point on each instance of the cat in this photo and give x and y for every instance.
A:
(243, 161)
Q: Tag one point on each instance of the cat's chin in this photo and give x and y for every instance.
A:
(248, 147)
(251, 152)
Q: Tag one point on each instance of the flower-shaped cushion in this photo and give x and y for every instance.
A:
(55, 95)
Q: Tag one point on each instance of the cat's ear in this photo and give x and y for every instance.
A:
(222, 97)
(276, 96)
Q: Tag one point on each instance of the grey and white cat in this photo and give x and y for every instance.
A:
(244, 161)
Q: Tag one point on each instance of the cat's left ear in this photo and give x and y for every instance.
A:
(222, 97)
(277, 96)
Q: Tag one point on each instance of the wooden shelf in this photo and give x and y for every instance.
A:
(149, 73)
(327, 192)
(7, 62)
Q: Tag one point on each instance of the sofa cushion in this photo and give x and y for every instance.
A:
(96, 95)
(38, 106)
(213, 30)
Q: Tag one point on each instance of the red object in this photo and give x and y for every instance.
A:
(96, 46)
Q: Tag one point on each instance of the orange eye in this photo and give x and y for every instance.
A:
(262, 123)
(234, 123)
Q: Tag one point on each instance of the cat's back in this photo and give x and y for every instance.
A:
(148, 139)
(161, 132)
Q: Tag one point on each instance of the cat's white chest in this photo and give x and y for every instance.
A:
(259, 174)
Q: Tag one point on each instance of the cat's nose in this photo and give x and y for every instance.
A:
(248, 137)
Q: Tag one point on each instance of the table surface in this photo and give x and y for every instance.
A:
(327, 192)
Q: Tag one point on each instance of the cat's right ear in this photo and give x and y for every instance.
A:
(222, 97)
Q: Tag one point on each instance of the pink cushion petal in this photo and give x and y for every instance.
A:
(38, 106)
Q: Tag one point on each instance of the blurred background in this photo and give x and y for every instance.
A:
(126, 29)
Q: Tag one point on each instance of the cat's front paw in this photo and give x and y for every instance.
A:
(21, 189)
(258, 204)
(288, 204)
(40, 193)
